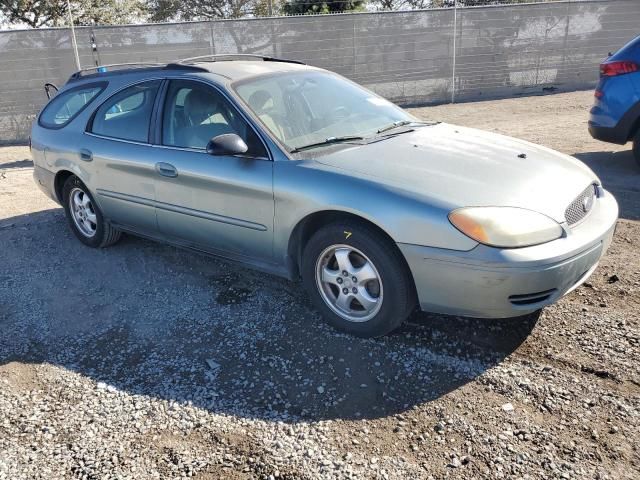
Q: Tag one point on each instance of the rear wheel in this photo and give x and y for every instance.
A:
(84, 216)
(357, 278)
(636, 147)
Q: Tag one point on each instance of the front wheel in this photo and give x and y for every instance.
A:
(84, 216)
(358, 279)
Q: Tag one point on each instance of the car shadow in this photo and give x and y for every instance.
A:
(620, 174)
(153, 320)
(26, 163)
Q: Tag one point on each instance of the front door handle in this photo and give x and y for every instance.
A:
(86, 155)
(166, 169)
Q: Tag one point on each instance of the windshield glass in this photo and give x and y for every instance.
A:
(310, 107)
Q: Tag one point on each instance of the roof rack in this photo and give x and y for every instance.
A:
(103, 68)
(230, 57)
(185, 63)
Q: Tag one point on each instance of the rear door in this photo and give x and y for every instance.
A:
(117, 142)
(221, 203)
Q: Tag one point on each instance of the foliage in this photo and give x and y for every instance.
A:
(268, 8)
(34, 13)
(54, 13)
(306, 7)
(162, 10)
(111, 11)
(389, 5)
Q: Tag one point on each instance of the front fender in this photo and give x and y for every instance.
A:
(302, 188)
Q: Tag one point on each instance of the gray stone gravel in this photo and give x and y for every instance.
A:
(145, 361)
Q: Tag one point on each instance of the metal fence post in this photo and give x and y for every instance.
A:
(212, 42)
(355, 46)
(455, 34)
(74, 43)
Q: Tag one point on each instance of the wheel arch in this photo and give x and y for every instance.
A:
(635, 128)
(632, 120)
(58, 183)
(311, 223)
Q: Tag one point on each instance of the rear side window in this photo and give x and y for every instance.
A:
(67, 105)
(127, 114)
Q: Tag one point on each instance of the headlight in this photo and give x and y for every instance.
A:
(505, 227)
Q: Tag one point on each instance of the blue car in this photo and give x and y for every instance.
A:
(615, 115)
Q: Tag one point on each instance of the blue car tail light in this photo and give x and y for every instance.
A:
(617, 67)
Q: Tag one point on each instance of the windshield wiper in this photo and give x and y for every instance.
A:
(327, 141)
(403, 123)
(391, 126)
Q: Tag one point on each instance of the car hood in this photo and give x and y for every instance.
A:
(463, 167)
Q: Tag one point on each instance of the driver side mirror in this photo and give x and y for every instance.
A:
(226, 144)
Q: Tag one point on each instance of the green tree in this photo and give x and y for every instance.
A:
(53, 13)
(111, 12)
(163, 10)
(306, 7)
(264, 8)
(390, 5)
(34, 13)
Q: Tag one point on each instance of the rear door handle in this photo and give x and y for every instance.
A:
(86, 155)
(166, 169)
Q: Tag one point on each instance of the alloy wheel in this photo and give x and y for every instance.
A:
(349, 283)
(82, 212)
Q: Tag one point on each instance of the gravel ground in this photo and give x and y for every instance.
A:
(145, 361)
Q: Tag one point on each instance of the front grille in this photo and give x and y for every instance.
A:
(581, 206)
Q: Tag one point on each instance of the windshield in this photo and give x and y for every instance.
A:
(307, 108)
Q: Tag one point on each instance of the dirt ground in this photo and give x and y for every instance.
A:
(145, 361)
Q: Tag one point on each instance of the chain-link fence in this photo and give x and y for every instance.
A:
(412, 57)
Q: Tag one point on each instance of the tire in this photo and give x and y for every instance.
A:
(84, 216)
(389, 298)
(636, 147)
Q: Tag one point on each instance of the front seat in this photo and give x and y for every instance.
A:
(199, 108)
(261, 102)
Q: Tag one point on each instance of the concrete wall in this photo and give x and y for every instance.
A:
(408, 57)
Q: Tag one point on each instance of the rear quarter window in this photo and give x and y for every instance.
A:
(127, 114)
(67, 105)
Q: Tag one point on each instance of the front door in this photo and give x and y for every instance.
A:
(220, 203)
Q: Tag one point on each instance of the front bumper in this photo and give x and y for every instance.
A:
(488, 282)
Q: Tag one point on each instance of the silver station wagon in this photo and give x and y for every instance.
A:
(299, 172)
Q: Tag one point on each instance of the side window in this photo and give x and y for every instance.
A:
(67, 105)
(195, 113)
(127, 114)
